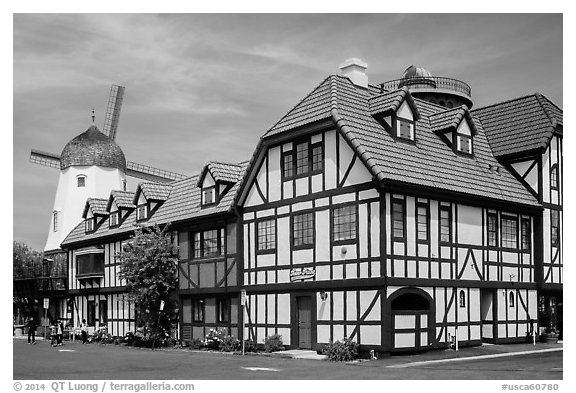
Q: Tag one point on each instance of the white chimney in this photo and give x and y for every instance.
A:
(355, 69)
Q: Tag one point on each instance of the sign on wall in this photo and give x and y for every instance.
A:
(302, 273)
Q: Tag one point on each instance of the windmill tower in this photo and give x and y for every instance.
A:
(91, 165)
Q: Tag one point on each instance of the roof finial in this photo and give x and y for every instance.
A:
(93, 117)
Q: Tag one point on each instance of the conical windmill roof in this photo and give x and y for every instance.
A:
(92, 147)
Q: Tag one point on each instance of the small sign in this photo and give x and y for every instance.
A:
(161, 305)
(243, 297)
(302, 273)
(46, 302)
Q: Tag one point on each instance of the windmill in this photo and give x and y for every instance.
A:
(110, 128)
(91, 166)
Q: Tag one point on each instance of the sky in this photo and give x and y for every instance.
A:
(206, 87)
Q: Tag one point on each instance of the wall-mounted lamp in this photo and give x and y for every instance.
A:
(512, 277)
(323, 296)
(344, 250)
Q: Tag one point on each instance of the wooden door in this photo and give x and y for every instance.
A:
(304, 304)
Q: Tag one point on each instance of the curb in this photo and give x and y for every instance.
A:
(479, 357)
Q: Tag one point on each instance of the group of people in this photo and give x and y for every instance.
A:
(57, 332)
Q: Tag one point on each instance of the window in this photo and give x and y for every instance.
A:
(81, 181)
(509, 232)
(90, 264)
(306, 159)
(525, 234)
(462, 299)
(464, 144)
(208, 243)
(288, 168)
(55, 220)
(123, 184)
(302, 158)
(404, 130)
(422, 220)
(266, 235)
(114, 219)
(445, 224)
(317, 157)
(344, 223)
(303, 230)
(398, 219)
(554, 177)
(222, 307)
(103, 306)
(208, 195)
(492, 229)
(555, 227)
(198, 310)
(142, 212)
(89, 225)
(91, 313)
(511, 299)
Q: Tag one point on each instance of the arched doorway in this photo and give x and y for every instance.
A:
(411, 311)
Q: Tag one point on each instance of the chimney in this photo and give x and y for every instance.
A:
(355, 69)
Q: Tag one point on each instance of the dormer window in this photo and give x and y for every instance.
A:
(209, 195)
(113, 219)
(405, 129)
(464, 143)
(89, 225)
(142, 212)
(81, 181)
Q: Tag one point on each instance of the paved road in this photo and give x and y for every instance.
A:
(77, 361)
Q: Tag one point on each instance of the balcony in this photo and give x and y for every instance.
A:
(430, 84)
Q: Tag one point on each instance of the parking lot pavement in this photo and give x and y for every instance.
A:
(93, 361)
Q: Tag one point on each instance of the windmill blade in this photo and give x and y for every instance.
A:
(113, 111)
(147, 172)
(44, 158)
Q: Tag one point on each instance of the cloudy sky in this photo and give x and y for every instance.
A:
(205, 87)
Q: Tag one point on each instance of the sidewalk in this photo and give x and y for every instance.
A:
(468, 353)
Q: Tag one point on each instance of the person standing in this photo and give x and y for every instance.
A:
(84, 329)
(31, 324)
(59, 333)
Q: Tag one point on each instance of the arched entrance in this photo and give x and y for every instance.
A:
(412, 319)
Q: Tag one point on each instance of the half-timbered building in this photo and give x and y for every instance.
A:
(372, 214)
(202, 222)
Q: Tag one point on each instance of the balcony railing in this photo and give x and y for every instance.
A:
(429, 82)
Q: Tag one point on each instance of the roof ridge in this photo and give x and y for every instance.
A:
(540, 97)
(299, 102)
(523, 97)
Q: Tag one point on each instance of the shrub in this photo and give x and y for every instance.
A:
(196, 343)
(341, 351)
(213, 339)
(229, 344)
(250, 346)
(273, 343)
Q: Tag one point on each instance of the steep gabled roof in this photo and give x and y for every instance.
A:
(450, 119)
(97, 206)
(183, 203)
(385, 103)
(123, 199)
(222, 172)
(428, 162)
(520, 125)
(153, 191)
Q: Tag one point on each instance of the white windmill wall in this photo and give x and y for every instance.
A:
(70, 199)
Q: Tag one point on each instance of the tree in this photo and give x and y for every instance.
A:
(26, 261)
(149, 264)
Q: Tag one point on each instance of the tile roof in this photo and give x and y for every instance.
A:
(153, 191)
(519, 125)
(225, 172)
(97, 206)
(451, 119)
(390, 102)
(428, 162)
(123, 199)
(183, 203)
